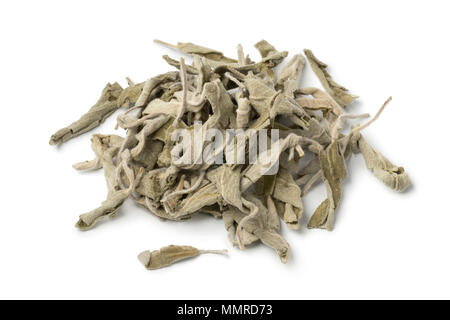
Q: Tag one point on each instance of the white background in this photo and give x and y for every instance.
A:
(56, 57)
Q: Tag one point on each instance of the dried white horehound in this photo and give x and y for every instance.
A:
(221, 93)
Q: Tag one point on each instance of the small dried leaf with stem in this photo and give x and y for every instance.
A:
(169, 255)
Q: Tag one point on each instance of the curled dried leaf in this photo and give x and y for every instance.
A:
(332, 164)
(338, 92)
(392, 176)
(105, 106)
(108, 208)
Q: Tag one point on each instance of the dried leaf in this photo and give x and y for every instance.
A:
(100, 144)
(104, 107)
(152, 83)
(332, 164)
(265, 48)
(190, 48)
(290, 73)
(287, 191)
(220, 93)
(108, 208)
(166, 256)
(130, 95)
(269, 237)
(338, 92)
(392, 176)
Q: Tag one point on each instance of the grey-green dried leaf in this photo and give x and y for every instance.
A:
(255, 171)
(190, 48)
(243, 110)
(265, 48)
(169, 255)
(392, 176)
(273, 219)
(290, 73)
(227, 181)
(314, 131)
(156, 182)
(307, 173)
(177, 64)
(319, 95)
(170, 92)
(205, 196)
(130, 95)
(153, 83)
(149, 155)
(338, 92)
(332, 164)
(267, 63)
(283, 105)
(105, 106)
(267, 236)
(108, 208)
(286, 189)
(261, 95)
(149, 127)
(100, 144)
(222, 106)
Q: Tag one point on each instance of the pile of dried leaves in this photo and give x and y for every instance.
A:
(224, 93)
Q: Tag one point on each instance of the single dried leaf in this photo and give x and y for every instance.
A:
(190, 48)
(168, 255)
(338, 92)
(108, 208)
(333, 171)
(290, 73)
(105, 106)
(392, 176)
(265, 48)
(130, 95)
